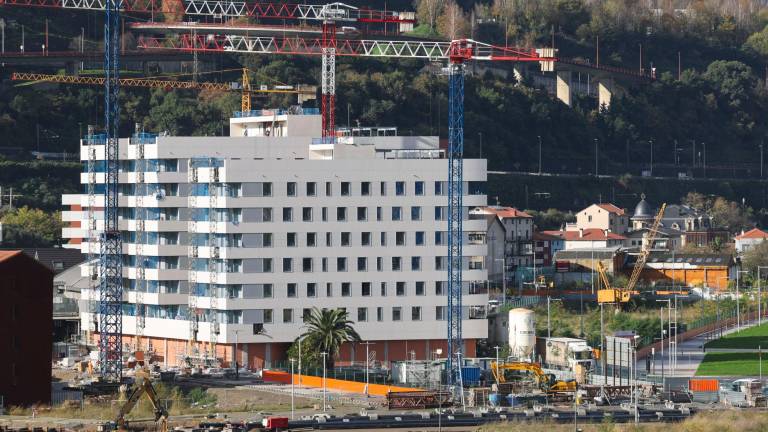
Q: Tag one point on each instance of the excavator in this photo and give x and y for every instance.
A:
(143, 385)
(505, 372)
(613, 295)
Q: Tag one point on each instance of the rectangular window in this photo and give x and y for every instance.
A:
(397, 263)
(400, 188)
(287, 265)
(341, 264)
(379, 214)
(267, 316)
(345, 239)
(291, 189)
(287, 316)
(329, 289)
(287, 214)
(415, 213)
(418, 188)
(305, 314)
(311, 188)
(362, 314)
(311, 239)
(306, 214)
(379, 314)
(341, 214)
(267, 291)
(439, 238)
(440, 313)
(328, 239)
(379, 264)
(362, 213)
(328, 189)
(311, 289)
(397, 213)
(440, 213)
(415, 313)
(324, 214)
(383, 239)
(324, 264)
(346, 289)
(365, 289)
(396, 314)
(362, 264)
(438, 188)
(365, 188)
(440, 288)
(419, 238)
(415, 263)
(306, 265)
(440, 263)
(400, 238)
(346, 189)
(291, 290)
(383, 188)
(365, 239)
(383, 289)
(420, 288)
(291, 239)
(400, 289)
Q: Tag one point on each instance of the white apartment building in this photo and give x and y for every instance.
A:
(261, 226)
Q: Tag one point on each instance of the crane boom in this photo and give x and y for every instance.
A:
(646, 249)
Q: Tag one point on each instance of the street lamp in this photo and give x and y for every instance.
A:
(540, 154)
(367, 364)
(237, 366)
(325, 388)
(663, 332)
(596, 155)
(738, 299)
(301, 337)
(293, 361)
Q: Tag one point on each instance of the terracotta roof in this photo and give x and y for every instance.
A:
(543, 235)
(506, 212)
(590, 234)
(610, 208)
(754, 233)
(4, 255)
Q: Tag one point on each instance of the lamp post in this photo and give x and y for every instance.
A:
(293, 361)
(738, 299)
(237, 366)
(367, 364)
(596, 156)
(325, 389)
(540, 154)
(663, 332)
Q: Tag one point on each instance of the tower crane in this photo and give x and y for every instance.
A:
(613, 295)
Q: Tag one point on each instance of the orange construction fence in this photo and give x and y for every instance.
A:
(335, 384)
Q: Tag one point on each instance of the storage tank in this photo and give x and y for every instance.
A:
(522, 333)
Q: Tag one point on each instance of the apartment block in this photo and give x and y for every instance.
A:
(226, 236)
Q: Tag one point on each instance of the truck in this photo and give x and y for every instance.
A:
(565, 353)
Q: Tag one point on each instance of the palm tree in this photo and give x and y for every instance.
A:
(330, 329)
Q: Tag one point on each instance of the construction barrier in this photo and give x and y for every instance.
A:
(703, 385)
(334, 384)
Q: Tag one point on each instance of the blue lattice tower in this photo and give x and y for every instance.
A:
(111, 287)
(455, 216)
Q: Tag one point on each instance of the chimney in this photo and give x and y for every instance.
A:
(581, 232)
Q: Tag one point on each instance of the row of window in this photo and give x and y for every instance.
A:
(396, 314)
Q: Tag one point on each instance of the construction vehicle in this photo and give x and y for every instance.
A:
(516, 371)
(142, 385)
(565, 353)
(613, 295)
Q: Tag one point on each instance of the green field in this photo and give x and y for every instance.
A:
(750, 338)
(731, 364)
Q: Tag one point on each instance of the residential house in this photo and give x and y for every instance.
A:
(747, 240)
(602, 216)
(588, 238)
(518, 236)
(667, 239)
(544, 248)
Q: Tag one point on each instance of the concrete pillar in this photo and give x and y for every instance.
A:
(605, 91)
(563, 87)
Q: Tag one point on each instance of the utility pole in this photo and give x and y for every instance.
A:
(650, 141)
(540, 154)
(596, 156)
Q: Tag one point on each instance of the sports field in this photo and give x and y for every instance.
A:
(732, 364)
(750, 338)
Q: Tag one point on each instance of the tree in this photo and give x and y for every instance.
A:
(428, 11)
(27, 227)
(453, 22)
(755, 256)
(328, 330)
(310, 355)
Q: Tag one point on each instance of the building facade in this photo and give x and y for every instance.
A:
(603, 217)
(224, 235)
(749, 239)
(517, 240)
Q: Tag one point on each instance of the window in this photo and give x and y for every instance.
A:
(419, 238)
(439, 188)
(311, 289)
(287, 265)
(291, 189)
(439, 288)
(324, 264)
(311, 239)
(365, 188)
(267, 291)
(341, 264)
(267, 316)
(440, 213)
(383, 289)
(379, 314)
(305, 314)
(400, 238)
(306, 214)
(328, 239)
(346, 289)
(383, 188)
(362, 264)
(379, 264)
(396, 314)
(415, 213)
(440, 263)
(440, 313)
(346, 189)
(287, 214)
(311, 188)
(341, 214)
(287, 316)
(291, 290)
(328, 189)
(415, 263)
(362, 213)
(397, 263)
(589, 218)
(306, 264)
(378, 214)
(418, 188)
(365, 239)
(362, 314)
(397, 213)
(400, 289)
(420, 288)
(400, 188)
(291, 239)
(365, 289)
(324, 214)
(439, 238)
(345, 238)
(383, 239)
(329, 289)
(415, 313)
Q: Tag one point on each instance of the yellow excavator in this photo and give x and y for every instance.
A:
(505, 372)
(143, 385)
(613, 295)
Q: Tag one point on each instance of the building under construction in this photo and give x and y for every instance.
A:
(230, 241)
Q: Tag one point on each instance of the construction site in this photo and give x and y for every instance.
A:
(211, 262)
